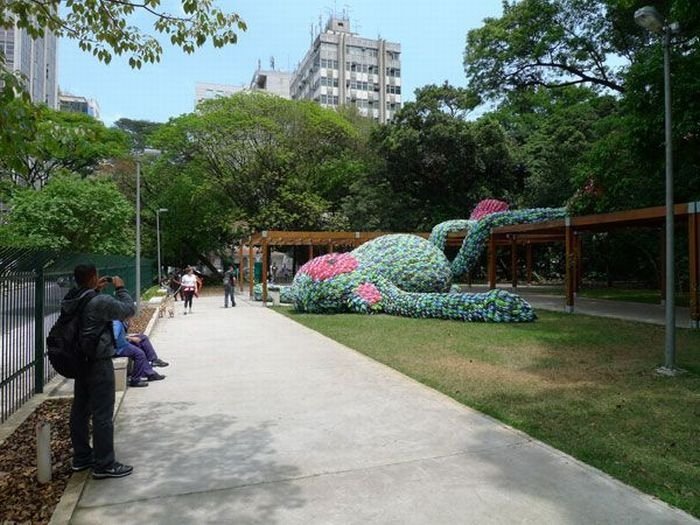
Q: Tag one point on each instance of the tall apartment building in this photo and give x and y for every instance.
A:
(342, 68)
(35, 59)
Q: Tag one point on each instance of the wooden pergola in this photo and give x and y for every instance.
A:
(568, 231)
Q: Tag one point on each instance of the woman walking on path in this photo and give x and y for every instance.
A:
(189, 287)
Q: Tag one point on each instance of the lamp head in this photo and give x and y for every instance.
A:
(162, 210)
(650, 19)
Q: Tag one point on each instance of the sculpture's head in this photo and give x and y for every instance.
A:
(336, 283)
(323, 283)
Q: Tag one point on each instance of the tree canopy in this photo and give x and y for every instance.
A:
(437, 165)
(71, 213)
(550, 43)
(51, 141)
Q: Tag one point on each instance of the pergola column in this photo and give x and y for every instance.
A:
(240, 263)
(570, 264)
(265, 262)
(579, 265)
(694, 262)
(528, 262)
(251, 269)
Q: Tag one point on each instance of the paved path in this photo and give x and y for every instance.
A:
(628, 311)
(263, 421)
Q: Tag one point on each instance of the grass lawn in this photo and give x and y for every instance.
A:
(584, 385)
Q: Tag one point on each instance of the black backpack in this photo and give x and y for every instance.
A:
(63, 343)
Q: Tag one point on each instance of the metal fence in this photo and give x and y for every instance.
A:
(32, 284)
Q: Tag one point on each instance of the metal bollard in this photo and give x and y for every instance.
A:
(43, 451)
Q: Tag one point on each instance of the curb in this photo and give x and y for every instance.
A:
(65, 507)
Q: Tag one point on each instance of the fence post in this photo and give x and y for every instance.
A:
(39, 327)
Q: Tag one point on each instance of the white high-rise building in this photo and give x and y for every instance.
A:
(35, 60)
(208, 90)
(342, 68)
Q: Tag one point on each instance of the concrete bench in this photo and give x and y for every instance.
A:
(120, 367)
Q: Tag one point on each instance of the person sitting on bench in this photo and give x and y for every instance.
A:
(139, 348)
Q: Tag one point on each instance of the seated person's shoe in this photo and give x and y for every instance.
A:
(137, 382)
(160, 363)
(116, 470)
(155, 376)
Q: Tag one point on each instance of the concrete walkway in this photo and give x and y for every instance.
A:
(263, 421)
(628, 311)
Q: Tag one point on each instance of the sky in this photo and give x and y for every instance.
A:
(432, 35)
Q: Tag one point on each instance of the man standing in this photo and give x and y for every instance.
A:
(230, 286)
(94, 387)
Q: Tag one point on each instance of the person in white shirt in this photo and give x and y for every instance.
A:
(188, 282)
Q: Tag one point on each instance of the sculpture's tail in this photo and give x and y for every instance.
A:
(495, 306)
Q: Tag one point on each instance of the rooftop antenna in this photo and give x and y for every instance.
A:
(272, 63)
(258, 64)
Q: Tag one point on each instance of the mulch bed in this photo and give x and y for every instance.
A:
(22, 498)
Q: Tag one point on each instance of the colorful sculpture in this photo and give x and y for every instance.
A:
(407, 275)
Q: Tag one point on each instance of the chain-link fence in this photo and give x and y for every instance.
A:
(32, 284)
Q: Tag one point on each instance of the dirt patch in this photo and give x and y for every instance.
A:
(22, 498)
(139, 323)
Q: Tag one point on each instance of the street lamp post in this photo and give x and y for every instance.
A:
(158, 212)
(650, 19)
(138, 157)
(138, 236)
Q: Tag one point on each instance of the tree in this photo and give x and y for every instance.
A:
(103, 27)
(437, 164)
(138, 131)
(71, 213)
(603, 144)
(258, 162)
(56, 142)
(550, 43)
(259, 150)
(552, 131)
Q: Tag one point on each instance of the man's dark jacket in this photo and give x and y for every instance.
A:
(96, 336)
